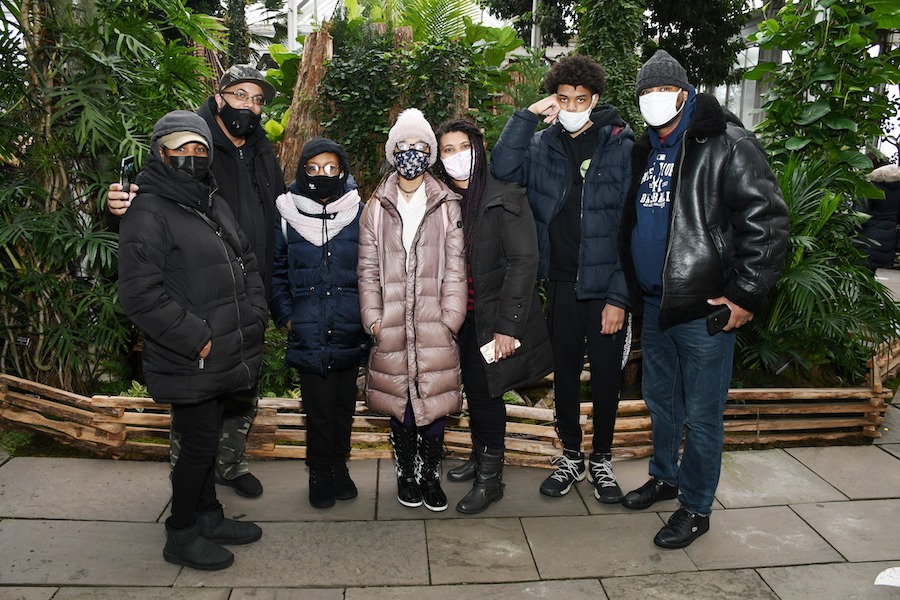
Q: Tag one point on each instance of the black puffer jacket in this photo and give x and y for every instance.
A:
(728, 223)
(504, 265)
(885, 214)
(183, 285)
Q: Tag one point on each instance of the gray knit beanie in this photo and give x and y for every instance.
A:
(661, 69)
(411, 124)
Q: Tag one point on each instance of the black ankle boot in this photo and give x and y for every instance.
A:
(431, 451)
(321, 487)
(216, 528)
(404, 441)
(488, 485)
(466, 471)
(187, 547)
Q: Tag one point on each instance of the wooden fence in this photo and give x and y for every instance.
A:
(119, 426)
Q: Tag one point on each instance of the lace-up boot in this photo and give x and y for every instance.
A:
(404, 442)
(428, 472)
(600, 473)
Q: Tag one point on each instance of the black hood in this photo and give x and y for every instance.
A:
(314, 147)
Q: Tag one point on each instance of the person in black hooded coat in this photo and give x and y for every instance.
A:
(315, 295)
(188, 279)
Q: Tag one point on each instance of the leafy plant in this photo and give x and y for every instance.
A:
(828, 100)
(610, 31)
(276, 379)
(827, 308)
(89, 80)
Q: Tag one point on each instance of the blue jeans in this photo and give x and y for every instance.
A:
(686, 374)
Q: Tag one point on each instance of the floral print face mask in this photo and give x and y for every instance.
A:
(411, 163)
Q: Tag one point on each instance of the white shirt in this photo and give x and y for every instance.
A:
(411, 214)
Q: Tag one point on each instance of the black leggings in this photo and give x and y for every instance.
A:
(487, 413)
(193, 476)
(575, 328)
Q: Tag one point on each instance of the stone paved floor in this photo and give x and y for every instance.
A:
(788, 524)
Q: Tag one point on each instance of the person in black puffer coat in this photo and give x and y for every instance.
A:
(188, 279)
(885, 214)
(315, 295)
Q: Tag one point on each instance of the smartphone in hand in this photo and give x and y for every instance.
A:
(126, 173)
(718, 319)
(487, 351)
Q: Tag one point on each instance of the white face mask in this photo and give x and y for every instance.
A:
(459, 165)
(658, 108)
(574, 121)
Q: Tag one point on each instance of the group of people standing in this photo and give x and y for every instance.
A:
(432, 285)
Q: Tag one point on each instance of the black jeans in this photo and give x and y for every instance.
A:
(486, 413)
(193, 476)
(329, 403)
(575, 328)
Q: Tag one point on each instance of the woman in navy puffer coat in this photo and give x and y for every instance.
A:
(314, 294)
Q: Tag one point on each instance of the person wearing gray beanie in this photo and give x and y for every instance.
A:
(703, 238)
(412, 296)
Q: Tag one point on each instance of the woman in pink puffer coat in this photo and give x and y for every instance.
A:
(412, 290)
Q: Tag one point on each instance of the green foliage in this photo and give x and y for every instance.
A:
(828, 101)
(827, 308)
(555, 18)
(436, 19)
(276, 379)
(15, 443)
(527, 87)
(704, 35)
(368, 80)
(238, 33)
(609, 32)
(137, 390)
(88, 82)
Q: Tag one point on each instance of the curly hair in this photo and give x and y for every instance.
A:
(576, 70)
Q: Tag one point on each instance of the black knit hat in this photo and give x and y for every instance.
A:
(661, 69)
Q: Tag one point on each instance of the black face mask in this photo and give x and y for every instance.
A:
(195, 166)
(323, 187)
(240, 122)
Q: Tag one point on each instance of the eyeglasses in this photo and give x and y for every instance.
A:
(330, 170)
(244, 97)
(417, 146)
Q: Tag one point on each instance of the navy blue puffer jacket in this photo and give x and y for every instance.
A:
(539, 162)
(315, 288)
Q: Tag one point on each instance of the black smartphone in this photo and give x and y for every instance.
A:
(718, 319)
(126, 173)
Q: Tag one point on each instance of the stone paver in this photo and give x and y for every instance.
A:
(854, 581)
(890, 429)
(142, 593)
(759, 537)
(578, 589)
(859, 472)
(287, 594)
(26, 593)
(478, 551)
(769, 478)
(352, 553)
(718, 585)
(84, 489)
(521, 497)
(89, 553)
(861, 531)
(893, 449)
(600, 546)
(286, 495)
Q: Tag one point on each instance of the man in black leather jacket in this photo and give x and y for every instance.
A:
(704, 234)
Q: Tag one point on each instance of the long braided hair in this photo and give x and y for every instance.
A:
(477, 179)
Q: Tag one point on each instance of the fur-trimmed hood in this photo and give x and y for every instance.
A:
(886, 178)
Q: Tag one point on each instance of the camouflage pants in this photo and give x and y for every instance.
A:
(236, 421)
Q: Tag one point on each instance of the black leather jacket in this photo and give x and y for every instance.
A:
(728, 223)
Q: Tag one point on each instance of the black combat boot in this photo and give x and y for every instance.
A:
(488, 486)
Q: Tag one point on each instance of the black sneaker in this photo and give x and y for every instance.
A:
(569, 470)
(682, 529)
(246, 485)
(649, 494)
(600, 473)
